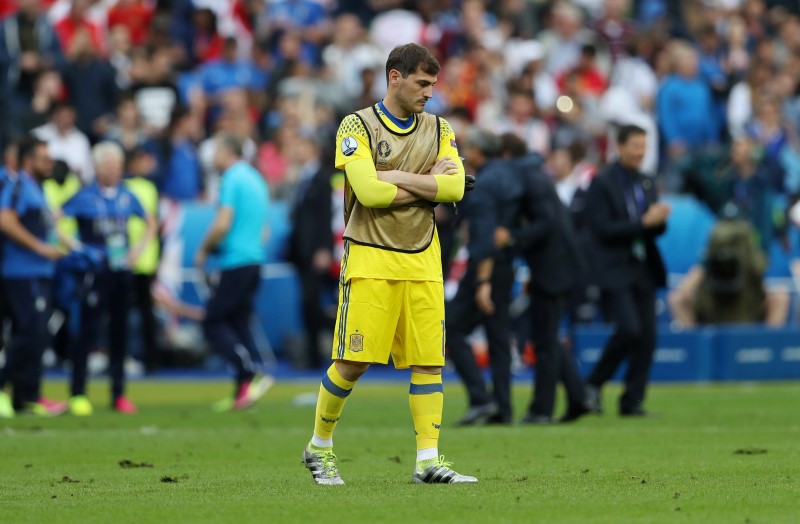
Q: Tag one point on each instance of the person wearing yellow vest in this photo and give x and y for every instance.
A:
(58, 189)
(399, 162)
(140, 166)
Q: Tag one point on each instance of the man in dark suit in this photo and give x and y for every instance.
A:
(625, 218)
(484, 292)
(544, 235)
(311, 241)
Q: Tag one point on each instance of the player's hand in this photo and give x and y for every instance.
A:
(200, 259)
(656, 215)
(50, 252)
(444, 166)
(502, 237)
(483, 298)
(321, 261)
(133, 256)
(469, 183)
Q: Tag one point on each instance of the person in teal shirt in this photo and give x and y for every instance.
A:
(238, 238)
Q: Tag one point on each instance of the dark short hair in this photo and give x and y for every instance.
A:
(232, 143)
(627, 131)
(409, 57)
(28, 145)
(513, 146)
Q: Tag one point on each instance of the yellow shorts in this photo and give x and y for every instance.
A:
(403, 318)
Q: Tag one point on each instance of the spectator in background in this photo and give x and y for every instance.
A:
(238, 236)
(633, 73)
(27, 271)
(46, 92)
(728, 286)
(522, 120)
(684, 106)
(563, 42)
(769, 129)
(306, 18)
(590, 80)
(746, 188)
(135, 15)
(207, 43)
(77, 22)
(153, 87)
(92, 86)
(119, 55)
(347, 56)
(615, 28)
(525, 61)
(178, 175)
(236, 121)
(273, 161)
(230, 72)
(66, 142)
(311, 242)
(28, 45)
(126, 128)
(103, 211)
(744, 96)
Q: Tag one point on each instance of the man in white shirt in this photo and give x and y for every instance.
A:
(66, 142)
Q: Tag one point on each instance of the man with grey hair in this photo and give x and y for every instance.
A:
(102, 211)
(237, 239)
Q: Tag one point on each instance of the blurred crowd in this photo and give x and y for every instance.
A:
(715, 83)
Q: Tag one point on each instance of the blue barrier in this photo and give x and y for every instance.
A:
(680, 356)
(757, 353)
(699, 355)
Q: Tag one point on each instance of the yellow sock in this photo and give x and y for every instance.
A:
(332, 394)
(426, 397)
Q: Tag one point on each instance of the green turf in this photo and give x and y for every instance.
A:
(245, 467)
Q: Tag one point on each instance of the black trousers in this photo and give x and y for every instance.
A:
(462, 317)
(29, 304)
(312, 284)
(554, 362)
(633, 313)
(227, 322)
(143, 301)
(105, 295)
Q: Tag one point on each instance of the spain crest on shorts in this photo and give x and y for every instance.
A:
(356, 342)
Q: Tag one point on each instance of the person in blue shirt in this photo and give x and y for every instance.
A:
(101, 211)
(27, 270)
(8, 173)
(230, 72)
(178, 173)
(237, 238)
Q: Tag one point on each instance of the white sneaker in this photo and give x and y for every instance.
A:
(322, 465)
(440, 473)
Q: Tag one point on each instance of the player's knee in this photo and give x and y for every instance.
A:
(350, 370)
(427, 370)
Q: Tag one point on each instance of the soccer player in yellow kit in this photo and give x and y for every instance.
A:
(399, 162)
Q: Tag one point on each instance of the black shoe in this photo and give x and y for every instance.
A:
(638, 411)
(574, 412)
(498, 420)
(592, 401)
(536, 420)
(478, 415)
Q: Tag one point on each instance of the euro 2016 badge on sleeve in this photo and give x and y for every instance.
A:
(349, 145)
(356, 342)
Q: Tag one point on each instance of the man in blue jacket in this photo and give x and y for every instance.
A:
(27, 268)
(102, 211)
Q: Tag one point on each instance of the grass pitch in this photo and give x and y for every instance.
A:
(728, 454)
